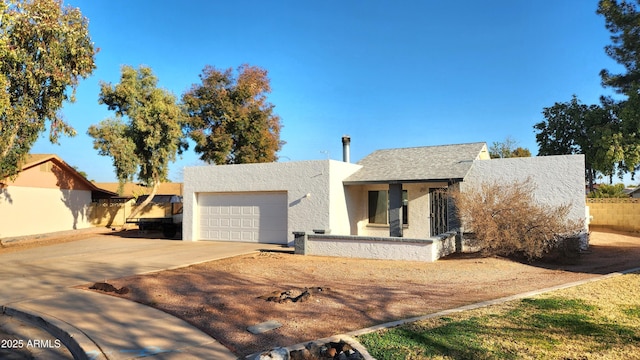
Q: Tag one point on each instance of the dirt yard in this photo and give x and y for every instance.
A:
(225, 297)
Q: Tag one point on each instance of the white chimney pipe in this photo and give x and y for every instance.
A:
(346, 148)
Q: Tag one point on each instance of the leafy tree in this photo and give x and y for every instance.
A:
(629, 137)
(608, 191)
(149, 140)
(607, 134)
(507, 149)
(557, 134)
(520, 152)
(622, 19)
(45, 49)
(230, 119)
(575, 128)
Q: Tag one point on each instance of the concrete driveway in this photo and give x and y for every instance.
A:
(39, 282)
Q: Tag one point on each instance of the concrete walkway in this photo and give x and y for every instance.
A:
(37, 285)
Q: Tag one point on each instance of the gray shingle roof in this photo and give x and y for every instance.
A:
(428, 163)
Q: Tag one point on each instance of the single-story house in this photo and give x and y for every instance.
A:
(389, 193)
(633, 192)
(47, 196)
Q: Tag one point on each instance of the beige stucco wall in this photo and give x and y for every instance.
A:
(362, 211)
(50, 175)
(341, 211)
(419, 210)
(44, 198)
(29, 210)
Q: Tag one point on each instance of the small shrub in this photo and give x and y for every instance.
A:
(609, 191)
(566, 250)
(506, 220)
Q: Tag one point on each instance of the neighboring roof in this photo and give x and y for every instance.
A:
(419, 164)
(631, 191)
(134, 190)
(160, 199)
(37, 159)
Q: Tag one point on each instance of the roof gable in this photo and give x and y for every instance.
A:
(62, 175)
(419, 164)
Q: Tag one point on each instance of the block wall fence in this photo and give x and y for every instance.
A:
(615, 214)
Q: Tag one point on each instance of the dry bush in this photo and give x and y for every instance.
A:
(506, 220)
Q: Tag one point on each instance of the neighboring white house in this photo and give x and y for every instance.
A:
(633, 192)
(394, 192)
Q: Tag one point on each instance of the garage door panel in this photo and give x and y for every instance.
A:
(251, 217)
(247, 236)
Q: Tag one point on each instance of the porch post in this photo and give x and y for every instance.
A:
(395, 210)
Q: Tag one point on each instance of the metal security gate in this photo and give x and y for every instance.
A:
(439, 213)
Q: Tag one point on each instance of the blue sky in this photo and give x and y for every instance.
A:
(387, 73)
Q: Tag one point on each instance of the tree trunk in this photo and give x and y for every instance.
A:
(590, 175)
(5, 150)
(142, 205)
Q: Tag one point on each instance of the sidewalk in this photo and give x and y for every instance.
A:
(97, 326)
(38, 288)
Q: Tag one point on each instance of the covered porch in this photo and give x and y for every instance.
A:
(411, 209)
(404, 192)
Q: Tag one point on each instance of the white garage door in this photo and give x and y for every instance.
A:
(250, 217)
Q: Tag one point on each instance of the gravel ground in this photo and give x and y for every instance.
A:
(224, 297)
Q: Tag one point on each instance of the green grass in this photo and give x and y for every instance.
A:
(599, 320)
